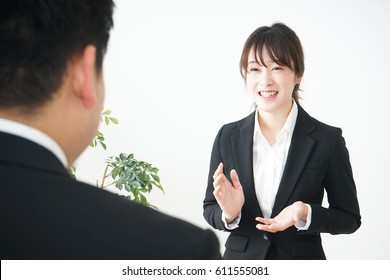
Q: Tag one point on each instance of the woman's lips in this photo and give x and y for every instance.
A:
(268, 93)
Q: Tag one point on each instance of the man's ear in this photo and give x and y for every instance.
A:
(84, 76)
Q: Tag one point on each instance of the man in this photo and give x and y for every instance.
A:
(51, 96)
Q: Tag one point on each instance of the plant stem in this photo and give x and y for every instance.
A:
(104, 176)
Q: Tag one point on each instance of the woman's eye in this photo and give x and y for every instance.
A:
(277, 68)
(253, 69)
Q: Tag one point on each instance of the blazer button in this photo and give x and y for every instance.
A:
(265, 236)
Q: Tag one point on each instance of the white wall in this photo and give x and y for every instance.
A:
(172, 80)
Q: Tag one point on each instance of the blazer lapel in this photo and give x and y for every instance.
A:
(301, 146)
(242, 143)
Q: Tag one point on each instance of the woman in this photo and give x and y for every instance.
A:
(269, 171)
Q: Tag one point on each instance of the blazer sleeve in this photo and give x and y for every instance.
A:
(211, 210)
(343, 214)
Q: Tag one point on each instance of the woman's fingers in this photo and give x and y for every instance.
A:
(218, 171)
(265, 220)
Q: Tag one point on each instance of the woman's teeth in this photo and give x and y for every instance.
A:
(268, 93)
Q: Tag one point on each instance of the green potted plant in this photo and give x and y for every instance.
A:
(125, 172)
(136, 177)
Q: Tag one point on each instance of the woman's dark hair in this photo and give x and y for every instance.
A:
(282, 45)
(39, 38)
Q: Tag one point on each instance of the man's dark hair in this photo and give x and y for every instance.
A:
(37, 40)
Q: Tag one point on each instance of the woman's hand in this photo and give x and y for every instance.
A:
(287, 218)
(229, 197)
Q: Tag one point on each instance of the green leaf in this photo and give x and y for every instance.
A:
(159, 186)
(107, 121)
(107, 112)
(115, 172)
(143, 199)
(131, 177)
(155, 177)
(143, 176)
(114, 120)
(122, 177)
(119, 186)
(136, 177)
(152, 206)
(103, 145)
(144, 190)
(136, 184)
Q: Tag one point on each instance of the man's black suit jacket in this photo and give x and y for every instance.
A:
(317, 161)
(46, 214)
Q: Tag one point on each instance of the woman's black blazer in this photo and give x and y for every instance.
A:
(317, 161)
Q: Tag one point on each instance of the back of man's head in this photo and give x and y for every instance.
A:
(38, 38)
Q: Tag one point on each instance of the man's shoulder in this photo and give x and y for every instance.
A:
(181, 239)
(130, 209)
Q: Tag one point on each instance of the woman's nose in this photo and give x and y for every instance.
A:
(265, 79)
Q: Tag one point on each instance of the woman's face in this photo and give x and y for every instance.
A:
(271, 85)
